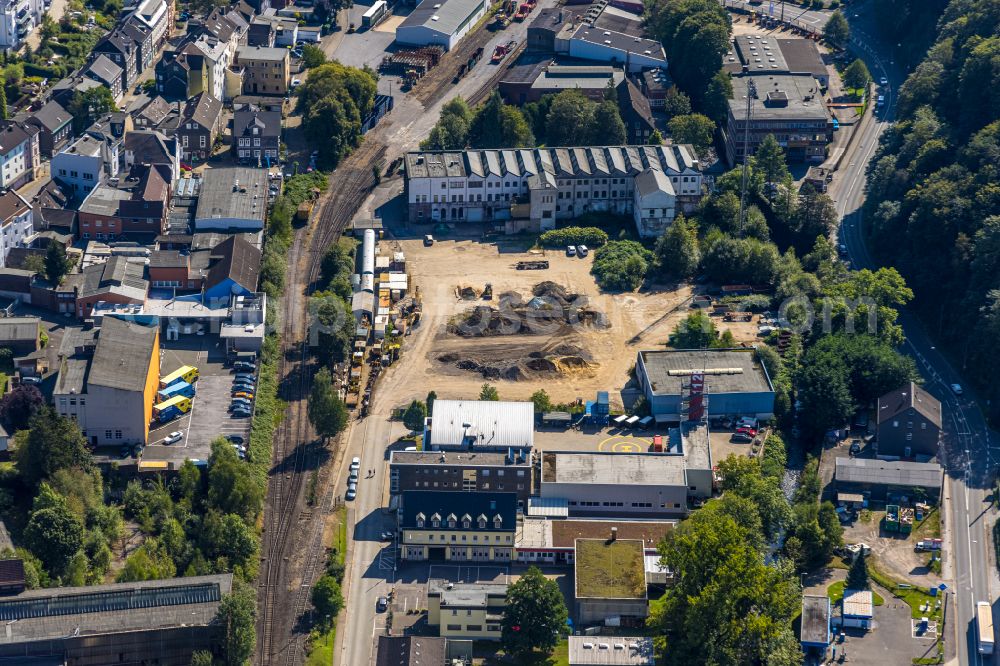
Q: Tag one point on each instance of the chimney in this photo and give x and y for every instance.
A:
(614, 534)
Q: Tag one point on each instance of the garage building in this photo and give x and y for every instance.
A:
(736, 383)
(440, 22)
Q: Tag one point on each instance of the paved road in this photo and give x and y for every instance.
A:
(968, 454)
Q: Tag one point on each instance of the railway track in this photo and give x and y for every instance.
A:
(487, 88)
(279, 605)
(432, 86)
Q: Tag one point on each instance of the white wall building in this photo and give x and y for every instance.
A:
(86, 163)
(16, 224)
(548, 183)
(17, 19)
(441, 22)
(154, 14)
(655, 204)
(219, 55)
(14, 155)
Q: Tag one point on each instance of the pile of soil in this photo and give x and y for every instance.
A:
(550, 309)
(559, 360)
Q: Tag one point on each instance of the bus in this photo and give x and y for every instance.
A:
(984, 627)
(375, 14)
(185, 373)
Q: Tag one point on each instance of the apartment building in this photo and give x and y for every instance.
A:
(16, 223)
(544, 185)
(90, 160)
(20, 155)
(470, 611)
(266, 70)
(17, 19)
(457, 526)
(468, 471)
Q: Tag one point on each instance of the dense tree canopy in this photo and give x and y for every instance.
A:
(334, 100)
(695, 35)
(534, 615)
(327, 411)
(53, 443)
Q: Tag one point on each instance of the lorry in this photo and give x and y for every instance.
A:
(185, 373)
(926, 545)
(984, 627)
(169, 410)
(180, 388)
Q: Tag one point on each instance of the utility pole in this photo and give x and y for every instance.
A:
(751, 96)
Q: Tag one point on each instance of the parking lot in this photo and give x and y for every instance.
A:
(209, 416)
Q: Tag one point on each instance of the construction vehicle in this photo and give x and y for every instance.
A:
(488, 292)
(531, 265)
(498, 53)
(410, 78)
(522, 12)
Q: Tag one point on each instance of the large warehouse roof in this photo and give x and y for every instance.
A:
(482, 423)
(888, 472)
(444, 16)
(725, 370)
(616, 469)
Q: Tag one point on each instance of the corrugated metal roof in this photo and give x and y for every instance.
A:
(858, 603)
(482, 423)
(888, 472)
(551, 507)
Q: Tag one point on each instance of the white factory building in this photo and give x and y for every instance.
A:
(530, 189)
(440, 22)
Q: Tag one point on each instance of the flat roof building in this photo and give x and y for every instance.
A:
(884, 480)
(469, 471)
(857, 609)
(440, 22)
(469, 611)
(610, 580)
(611, 651)
(553, 540)
(232, 199)
(480, 425)
(411, 651)
(634, 53)
(815, 629)
(157, 621)
(790, 107)
(736, 382)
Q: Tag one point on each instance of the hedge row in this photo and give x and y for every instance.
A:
(591, 236)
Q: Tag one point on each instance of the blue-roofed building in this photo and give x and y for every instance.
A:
(234, 270)
(815, 636)
(458, 526)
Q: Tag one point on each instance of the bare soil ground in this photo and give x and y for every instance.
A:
(894, 553)
(572, 339)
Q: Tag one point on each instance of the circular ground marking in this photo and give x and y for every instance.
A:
(624, 444)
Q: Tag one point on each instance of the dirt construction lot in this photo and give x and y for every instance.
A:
(550, 328)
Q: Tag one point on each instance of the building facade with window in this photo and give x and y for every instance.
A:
(468, 471)
(498, 185)
(266, 70)
(457, 526)
(909, 423)
(256, 136)
(16, 223)
(470, 611)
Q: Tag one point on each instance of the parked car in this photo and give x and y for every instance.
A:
(244, 386)
(351, 494)
(31, 380)
(296, 83)
(747, 431)
(387, 536)
(382, 604)
(747, 422)
(855, 447)
(428, 240)
(956, 389)
(883, 81)
(241, 412)
(243, 394)
(582, 251)
(175, 436)
(741, 437)
(570, 251)
(235, 439)
(249, 376)
(244, 366)
(356, 463)
(240, 402)
(881, 100)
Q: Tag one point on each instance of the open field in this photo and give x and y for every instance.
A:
(572, 340)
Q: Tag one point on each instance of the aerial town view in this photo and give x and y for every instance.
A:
(499, 332)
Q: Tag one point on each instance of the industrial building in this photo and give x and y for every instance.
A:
(151, 622)
(888, 480)
(766, 54)
(815, 635)
(553, 540)
(540, 186)
(528, 81)
(736, 383)
(611, 651)
(232, 199)
(480, 425)
(460, 470)
(108, 378)
(440, 22)
(593, 483)
(610, 581)
(605, 34)
(788, 106)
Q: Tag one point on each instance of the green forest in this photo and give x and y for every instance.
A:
(933, 208)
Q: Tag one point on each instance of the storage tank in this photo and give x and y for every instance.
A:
(368, 253)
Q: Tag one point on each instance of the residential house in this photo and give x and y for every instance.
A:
(172, 269)
(55, 127)
(256, 136)
(142, 35)
(909, 423)
(636, 114)
(64, 91)
(655, 84)
(457, 526)
(266, 70)
(20, 156)
(108, 379)
(234, 269)
(152, 148)
(157, 15)
(199, 125)
(472, 471)
(92, 158)
(16, 223)
(261, 32)
(138, 206)
(120, 48)
(181, 74)
(107, 73)
(467, 611)
(21, 335)
(218, 57)
(153, 114)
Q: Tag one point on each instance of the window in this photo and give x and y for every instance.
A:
(909, 436)
(107, 434)
(474, 627)
(118, 434)
(454, 627)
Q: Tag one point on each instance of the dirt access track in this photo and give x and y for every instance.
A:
(570, 358)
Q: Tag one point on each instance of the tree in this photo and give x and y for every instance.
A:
(238, 616)
(232, 487)
(836, 31)
(655, 139)
(857, 575)
(693, 128)
(717, 96)
(676, 103)
(86, 107)
(201, 658)
(451, 132)
(312, 56)
(53, 443)
(770, 160)
(541, 401)
(489, 392)
(333, 101)
(857, 75)
(18, 406)
(499, 125)
(607, 127)
(35, 263)
(414, 415)
(695, 35)
(326, 597)
(535, 614)
(327, 411)
(149, 562)
(4, 113)
(569, 118)
(696, 331)
(55, 535)
(621, 265)
(57, 264)
(429, 401)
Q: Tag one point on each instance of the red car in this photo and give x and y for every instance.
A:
(747, 431)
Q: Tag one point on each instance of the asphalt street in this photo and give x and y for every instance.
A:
(967, 451)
